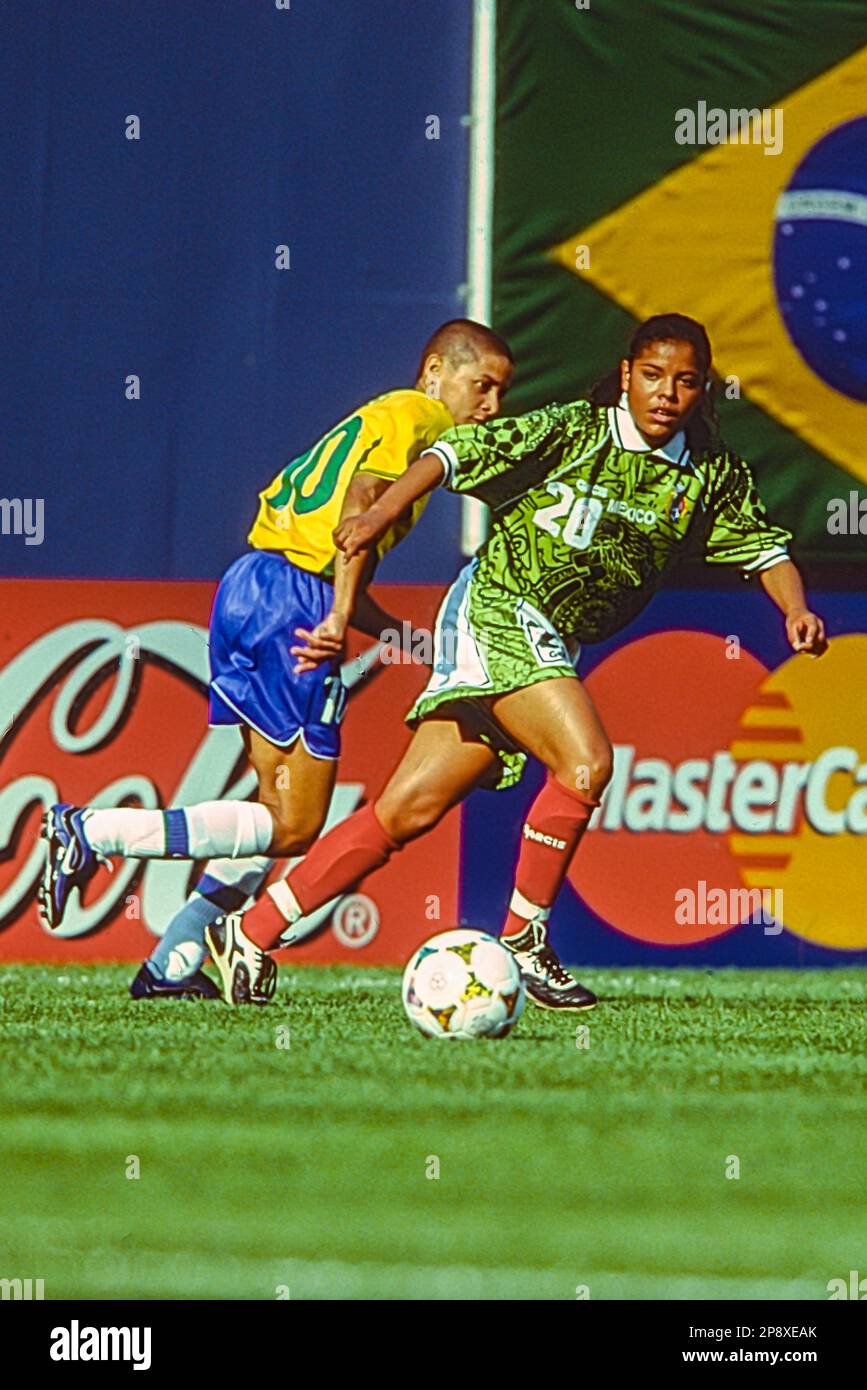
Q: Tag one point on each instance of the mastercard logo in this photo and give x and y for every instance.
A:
(732, 785)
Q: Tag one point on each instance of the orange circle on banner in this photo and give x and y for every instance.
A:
(732, 785)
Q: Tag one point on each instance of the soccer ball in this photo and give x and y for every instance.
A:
(463, 984)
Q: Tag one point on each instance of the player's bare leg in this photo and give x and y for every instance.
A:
(293, 787)
(439, 768)
(296, 787)
(557, 722)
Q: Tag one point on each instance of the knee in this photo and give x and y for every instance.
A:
(288, 843)
(292, 836)
(601, 768)
(589, 770)
(414, 812)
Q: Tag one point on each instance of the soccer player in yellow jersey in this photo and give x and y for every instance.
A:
(277, 630)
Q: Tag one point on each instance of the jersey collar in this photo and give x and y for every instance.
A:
(628, 436)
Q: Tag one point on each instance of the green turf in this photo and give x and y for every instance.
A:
(560, 1167)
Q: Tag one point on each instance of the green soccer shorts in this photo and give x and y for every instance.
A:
(487, 642)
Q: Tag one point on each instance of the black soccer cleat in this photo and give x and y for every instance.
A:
(545, 980)
(147, 985)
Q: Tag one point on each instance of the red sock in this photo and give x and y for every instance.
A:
(555, 823)
(349, 852)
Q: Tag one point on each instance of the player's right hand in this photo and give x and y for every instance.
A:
(324, 643)
(357, 533)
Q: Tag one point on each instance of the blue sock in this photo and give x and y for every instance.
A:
(181, 950)
(224, 887)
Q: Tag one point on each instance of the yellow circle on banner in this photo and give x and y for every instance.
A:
(810, 720)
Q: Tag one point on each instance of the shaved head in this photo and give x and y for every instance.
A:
(461, 341)
(469, 368)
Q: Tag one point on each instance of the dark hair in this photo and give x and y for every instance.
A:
(463, 340)
(702, 427)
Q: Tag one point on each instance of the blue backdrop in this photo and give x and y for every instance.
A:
(259, 127)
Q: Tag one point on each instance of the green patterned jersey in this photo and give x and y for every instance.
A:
(587, 518)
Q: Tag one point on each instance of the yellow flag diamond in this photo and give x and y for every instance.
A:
(700, 242)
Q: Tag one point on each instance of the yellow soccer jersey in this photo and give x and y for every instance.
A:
(302, 506)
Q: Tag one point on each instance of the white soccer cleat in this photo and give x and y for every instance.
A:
(248, 975)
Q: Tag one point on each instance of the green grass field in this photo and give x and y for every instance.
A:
(264, 1166)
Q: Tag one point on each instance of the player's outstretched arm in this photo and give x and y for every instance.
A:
(350, 576)
(804, 629)
(356, 534)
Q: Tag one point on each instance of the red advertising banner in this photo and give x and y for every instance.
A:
(102, 702)
(739, 793)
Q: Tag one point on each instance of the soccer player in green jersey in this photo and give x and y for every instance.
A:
(592, 502)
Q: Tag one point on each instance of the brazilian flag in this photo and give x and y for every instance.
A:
(707, 157)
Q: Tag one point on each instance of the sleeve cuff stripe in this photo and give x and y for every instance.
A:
(448, 458)
(767, 559)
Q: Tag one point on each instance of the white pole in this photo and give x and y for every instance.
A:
(474, 519)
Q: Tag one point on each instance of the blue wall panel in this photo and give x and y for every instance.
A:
(155, 256)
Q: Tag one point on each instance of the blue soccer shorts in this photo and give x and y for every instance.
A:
(260, 601)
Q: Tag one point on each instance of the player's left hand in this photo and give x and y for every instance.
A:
(358, 533)
(324, 643)
(806, 632)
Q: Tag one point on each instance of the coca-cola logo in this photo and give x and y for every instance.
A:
(84, 678)
(88, 674)
(103, 701)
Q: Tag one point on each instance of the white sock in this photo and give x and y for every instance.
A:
(213, 828)
(244, 875)
(124, 830)
(286, 902)
(231, 828)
